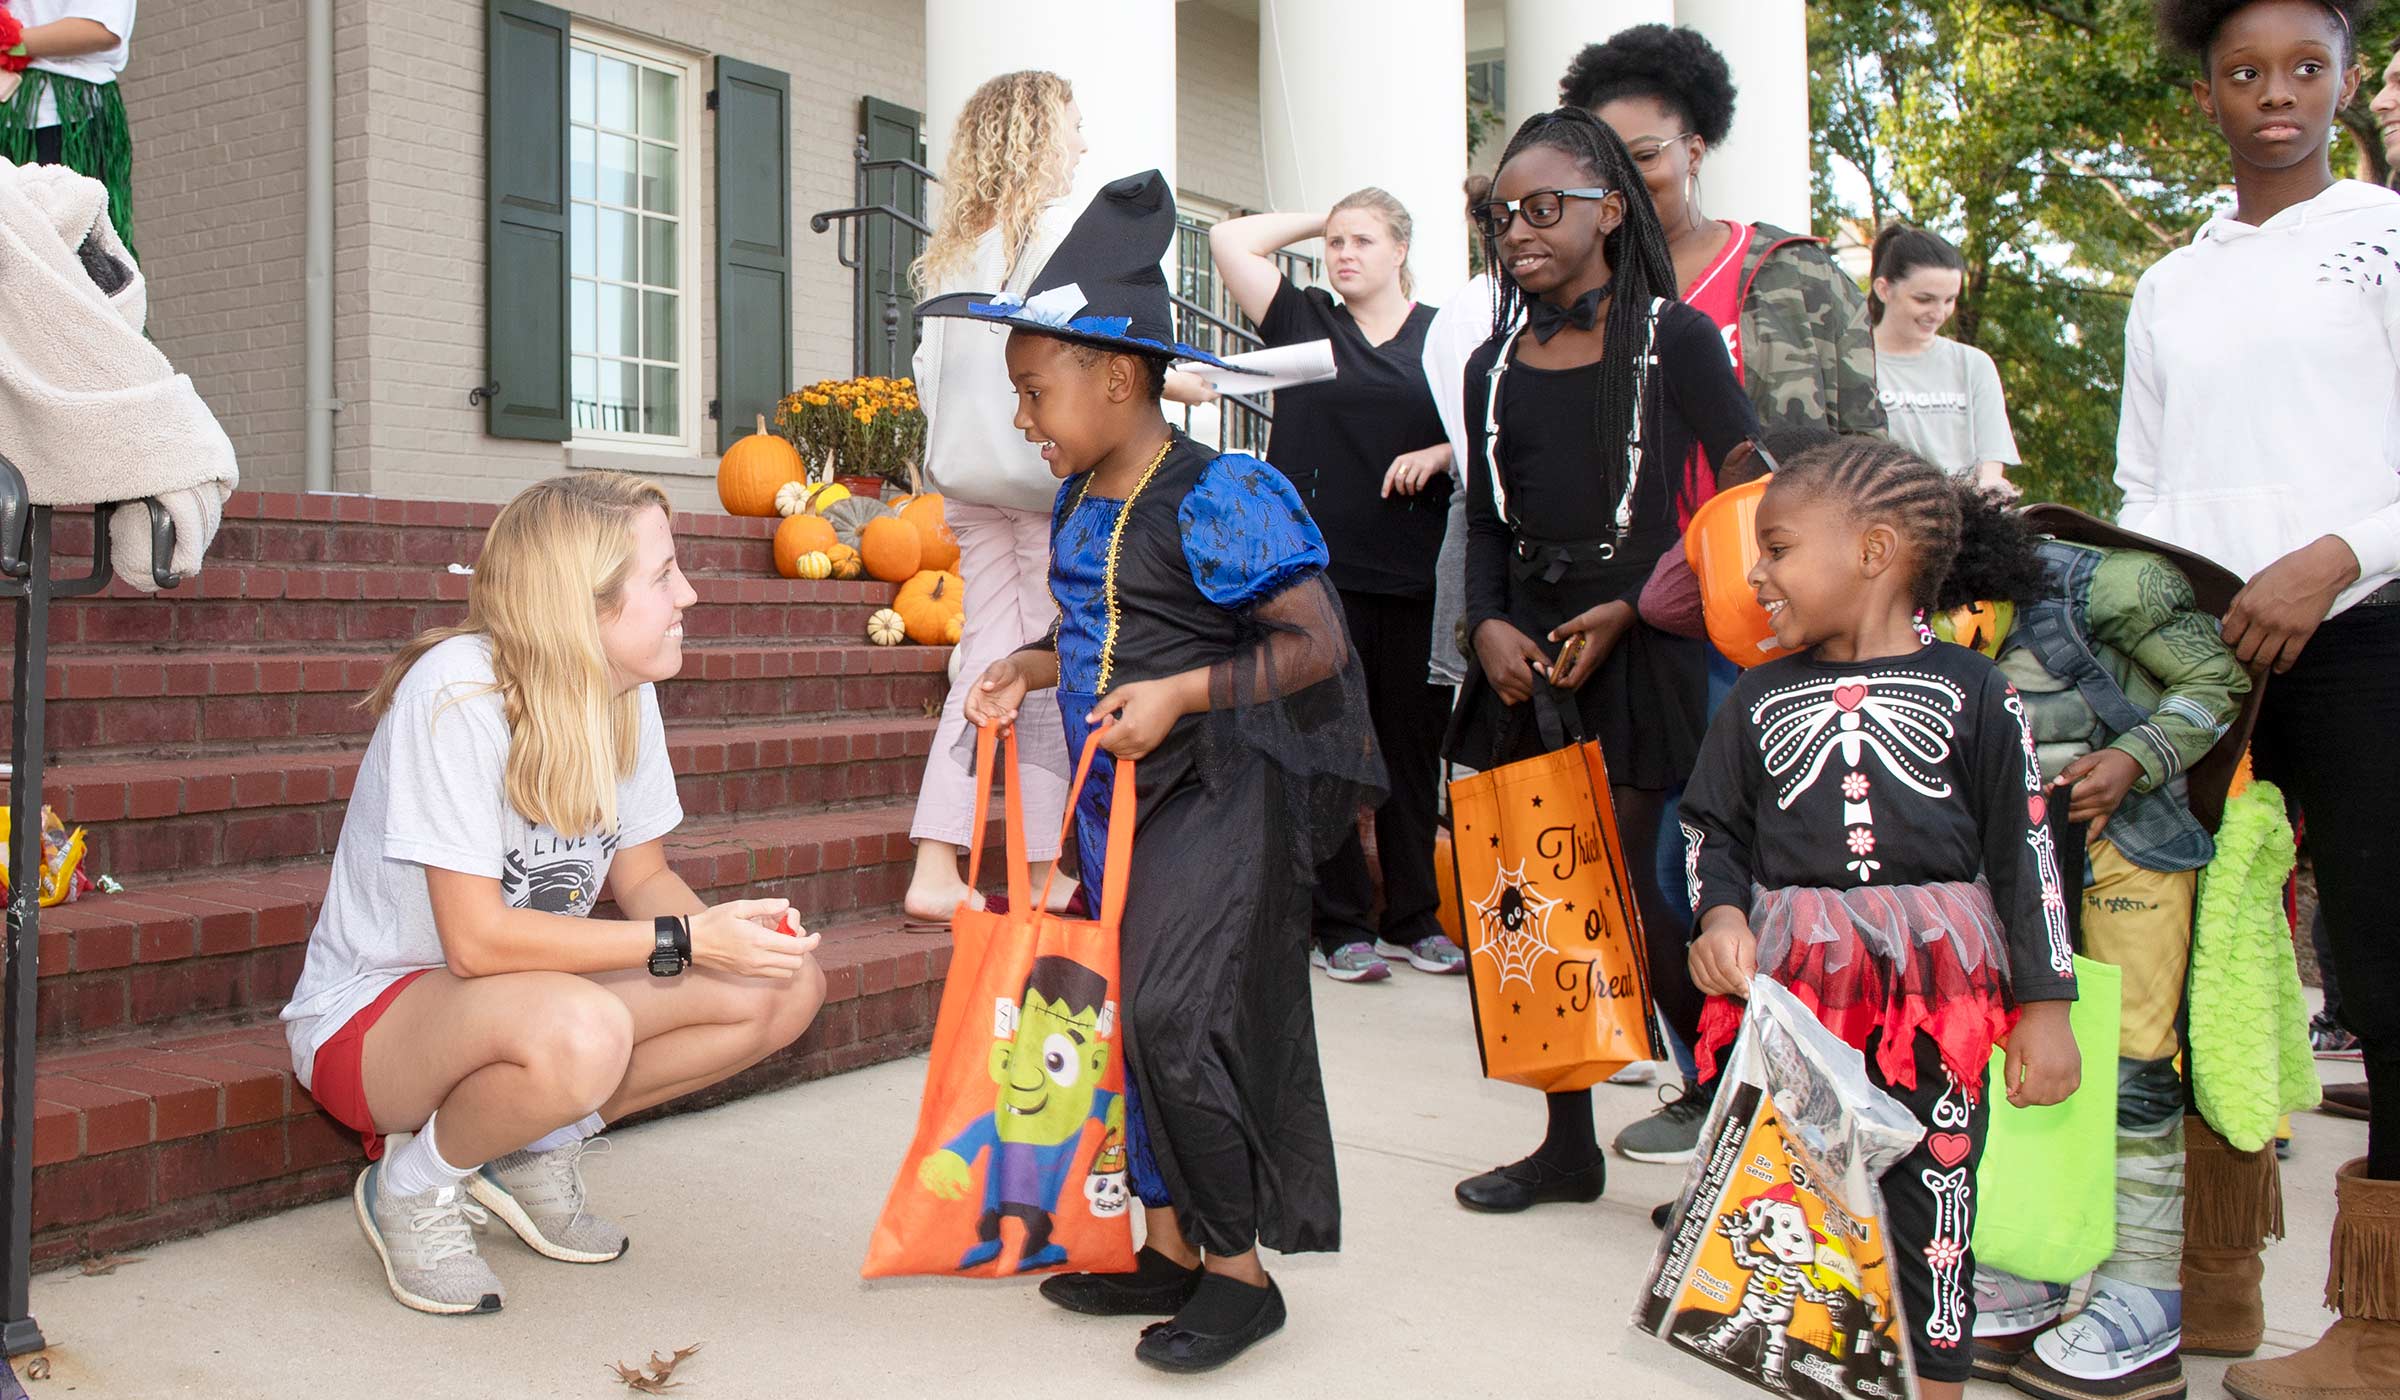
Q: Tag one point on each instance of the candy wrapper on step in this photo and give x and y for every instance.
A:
(1774, 1265)
(63, 880)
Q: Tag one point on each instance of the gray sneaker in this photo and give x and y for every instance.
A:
(427, 1244)
(1433, 953)
(1352, 962)
(540, 1196)
(1669, 1136)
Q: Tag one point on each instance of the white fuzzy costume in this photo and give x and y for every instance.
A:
(90, 411)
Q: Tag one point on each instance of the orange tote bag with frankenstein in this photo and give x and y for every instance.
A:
(1554, 943)
(1018, 1165)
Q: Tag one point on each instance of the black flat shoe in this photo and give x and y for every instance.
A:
(1157, 1288)
(1532, 1182)
(1173, 1346)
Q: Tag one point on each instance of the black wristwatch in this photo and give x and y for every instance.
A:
(673, 951)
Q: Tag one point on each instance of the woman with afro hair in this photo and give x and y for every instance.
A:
(2262, 430)
(1794, 323)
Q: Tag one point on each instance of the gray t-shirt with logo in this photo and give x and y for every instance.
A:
(431, 792)
(1944, 405)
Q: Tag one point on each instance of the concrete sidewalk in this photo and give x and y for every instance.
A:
(749, 1222)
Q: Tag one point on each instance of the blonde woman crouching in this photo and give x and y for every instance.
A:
(456, 995)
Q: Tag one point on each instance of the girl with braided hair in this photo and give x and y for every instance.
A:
(1580, 410)
(1866, 825)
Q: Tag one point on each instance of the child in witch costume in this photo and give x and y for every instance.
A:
(1197, 625)
(1866, 825)
(2131, 693)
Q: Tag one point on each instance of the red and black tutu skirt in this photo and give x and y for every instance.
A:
(1894, 958)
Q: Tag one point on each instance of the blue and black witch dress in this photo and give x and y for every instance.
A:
(1212, 562)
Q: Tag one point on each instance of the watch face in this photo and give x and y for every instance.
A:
(664, 963)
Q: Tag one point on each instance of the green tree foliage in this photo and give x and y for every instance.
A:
(2057, 144)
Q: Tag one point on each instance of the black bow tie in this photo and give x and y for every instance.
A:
(1546, 319)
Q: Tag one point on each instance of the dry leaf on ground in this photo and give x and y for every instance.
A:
(95, 1268)
(658, 1376)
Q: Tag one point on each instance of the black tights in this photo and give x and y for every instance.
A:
(1570, 1141)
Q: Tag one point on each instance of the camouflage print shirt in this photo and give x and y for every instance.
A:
(1808, 352)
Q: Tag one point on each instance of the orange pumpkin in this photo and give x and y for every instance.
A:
(933, 606)
(798, 535)
(845, 562)
(1722, 545)
(754, 469)
(890, 548)
(899, 502)
(941, 547)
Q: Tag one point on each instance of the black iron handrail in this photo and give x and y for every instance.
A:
(25, 556)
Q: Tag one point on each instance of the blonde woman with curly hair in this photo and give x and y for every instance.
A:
(1012, 162)
(457, 995)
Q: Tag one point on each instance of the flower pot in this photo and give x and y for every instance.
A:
(870, 487)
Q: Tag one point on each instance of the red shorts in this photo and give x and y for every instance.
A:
(339, 1083)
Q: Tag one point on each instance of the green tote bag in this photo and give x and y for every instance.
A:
(2047, 1190)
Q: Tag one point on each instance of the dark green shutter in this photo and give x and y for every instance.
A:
(525, 293)
(887, 329)
(754, 245)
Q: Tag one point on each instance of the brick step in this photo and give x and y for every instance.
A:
(145, 817)
(284, 529)
(187, 947)
(149, 1137)
(138, 703)
(333, 604)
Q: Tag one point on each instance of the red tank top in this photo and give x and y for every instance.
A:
(1717, 294)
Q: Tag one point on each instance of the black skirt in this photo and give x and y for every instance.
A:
(1646, 703)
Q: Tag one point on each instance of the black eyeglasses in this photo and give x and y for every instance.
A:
(1542, 208)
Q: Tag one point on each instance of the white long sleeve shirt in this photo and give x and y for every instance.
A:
(973, 451)
(2262, 388)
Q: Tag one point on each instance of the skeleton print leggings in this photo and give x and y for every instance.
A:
(1929, 1213)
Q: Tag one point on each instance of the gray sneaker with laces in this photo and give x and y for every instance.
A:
(427, 1244)
(1433, 953)
(540, 1196)
(1669, 1136)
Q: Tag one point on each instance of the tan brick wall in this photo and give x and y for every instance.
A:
(215, 96)
(1217, 150)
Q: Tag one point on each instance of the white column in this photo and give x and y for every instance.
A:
(1120, 55)
(1353, 95)
(1544, 35)
(1760, 173)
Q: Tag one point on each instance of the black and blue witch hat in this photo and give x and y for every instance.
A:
(1103, 285)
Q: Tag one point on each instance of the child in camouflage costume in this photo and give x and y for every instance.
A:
(2128, 685)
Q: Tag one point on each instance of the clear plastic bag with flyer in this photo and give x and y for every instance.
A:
(1774, 1266)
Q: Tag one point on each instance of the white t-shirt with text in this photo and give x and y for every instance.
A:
(1944, 404)
(431, 792)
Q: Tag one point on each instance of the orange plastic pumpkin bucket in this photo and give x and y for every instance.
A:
(1721, 545)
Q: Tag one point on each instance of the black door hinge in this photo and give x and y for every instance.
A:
(712, 99)
(715, 408)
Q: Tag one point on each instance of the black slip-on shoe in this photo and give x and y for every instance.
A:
(1532, 1182)
(1149, 1292)
(1173, 1346)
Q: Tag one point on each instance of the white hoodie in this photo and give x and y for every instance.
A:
(2262, 388)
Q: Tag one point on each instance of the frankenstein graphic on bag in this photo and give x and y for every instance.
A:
(1023, 1117)
(1774, 1266)
(1554, 945)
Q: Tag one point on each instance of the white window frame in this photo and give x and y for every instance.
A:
(692, 398)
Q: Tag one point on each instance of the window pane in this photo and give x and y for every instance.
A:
(586, 389)
(583, 240)
(586, 301)
(616, 94)
(617, 330)
(658, 104)
(579, 163)
(661, 411)
(582, 86)
(659, 267)
(616, 245)
(620, 395)
(658, 179)
(616, 169)
(659, 310)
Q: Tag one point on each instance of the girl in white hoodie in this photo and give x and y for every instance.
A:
(2262, 429)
